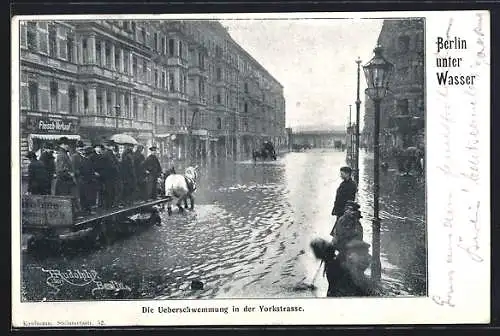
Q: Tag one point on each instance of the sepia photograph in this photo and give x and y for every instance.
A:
(206, 159)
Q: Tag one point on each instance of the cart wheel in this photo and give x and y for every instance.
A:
(155, 219)
(101, 233)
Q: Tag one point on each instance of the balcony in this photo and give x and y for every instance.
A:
(42, 59)
(110, 122)
(95, 70)
(196, 100)
(197, 71)
(161, 130)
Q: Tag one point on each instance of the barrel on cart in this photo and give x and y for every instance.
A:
(48, 217)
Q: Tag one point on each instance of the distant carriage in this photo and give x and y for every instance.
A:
(266, 152)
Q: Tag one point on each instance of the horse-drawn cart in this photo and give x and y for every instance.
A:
(48, 217)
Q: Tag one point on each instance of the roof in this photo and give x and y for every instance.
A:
(317, 129)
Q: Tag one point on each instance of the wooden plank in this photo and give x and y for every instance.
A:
(117, 211)
(47, 210)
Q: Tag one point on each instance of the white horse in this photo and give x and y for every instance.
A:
(181, 187)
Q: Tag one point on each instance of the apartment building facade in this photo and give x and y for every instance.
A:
(185, 86)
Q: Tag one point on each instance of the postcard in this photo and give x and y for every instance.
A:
(250, 169)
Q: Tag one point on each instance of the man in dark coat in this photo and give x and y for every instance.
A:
(86, 176)
(345, 192)
(76, 161)
(98, 164)
(109, 175)
(127, 172)
(139, 171)
(65, 177)
(48, 160)
(38, 182)
(152, 169)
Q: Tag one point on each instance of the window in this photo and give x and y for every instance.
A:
(144, 70)
(246, 108)
(246, 87)
(181, 120)
(98, 53)
(134, 66)
(126, 61)
(33, 92)
(117, 60)
(143, 35)
(72, 100)
(85, 100)
(52, 40)
(126, 26)
(144, 110)
(164, 45)
(218, 99)
(156, 44)
(219, 123)
(162, 116)
(109, 104)
(127, 106)
(180, 50)
(171, 43)
(171, 82)
(31, 35)
(99, 102)
(403, 43)
(53, 96)
(108, 55)
(163, 79)
(156, 79)
(172, 121)
(69, 46)
(219, 74)
(85, 51)
(134, 109)
(156, 114)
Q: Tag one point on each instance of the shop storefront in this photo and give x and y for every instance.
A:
(38, 129)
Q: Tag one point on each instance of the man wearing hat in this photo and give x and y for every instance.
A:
(139, 171)
(38, 182)
(152, 169)
(76, 161)
(127, 171)
(345, 192)
(47, 159)
(65, 177)
(348, 226)
(98, 164)
(86, 177)
(109, 175)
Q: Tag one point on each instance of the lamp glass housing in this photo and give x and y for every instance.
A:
(378, 72)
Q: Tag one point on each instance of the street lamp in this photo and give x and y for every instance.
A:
(117, 114)
(378, 72)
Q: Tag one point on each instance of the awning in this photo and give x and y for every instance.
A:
(54, 136)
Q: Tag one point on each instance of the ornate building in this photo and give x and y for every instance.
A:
(186, 86)
(403, 109)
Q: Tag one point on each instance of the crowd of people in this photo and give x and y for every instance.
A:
(98, 176)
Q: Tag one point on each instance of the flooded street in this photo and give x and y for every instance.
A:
(248, 237)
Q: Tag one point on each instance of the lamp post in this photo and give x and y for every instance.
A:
(349, 133)
(358, 104)
(378, 72)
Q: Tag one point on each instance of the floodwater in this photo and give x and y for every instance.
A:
(248, 237)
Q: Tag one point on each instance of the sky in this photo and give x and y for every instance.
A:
(314, 60)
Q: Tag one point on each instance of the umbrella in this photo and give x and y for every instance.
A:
(124, 139)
